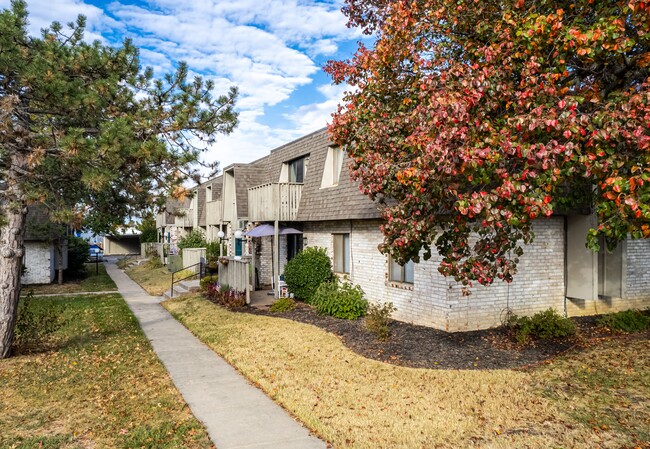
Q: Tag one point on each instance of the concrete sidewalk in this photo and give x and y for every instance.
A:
(236, 414)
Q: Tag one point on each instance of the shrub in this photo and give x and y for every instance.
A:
(340, 300)
(283, 305)
(378, 318)
(78, 250)
(207, 280)
(212, 251)
(545, 325)
(226, 296)
(627, 321)
(307, 271)
(35, 323)
(154, 263)
(194, 239)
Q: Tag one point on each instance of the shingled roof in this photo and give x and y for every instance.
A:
(39, 226)
(248, 175)
(341, 202)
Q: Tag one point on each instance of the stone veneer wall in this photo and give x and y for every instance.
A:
(432, 300)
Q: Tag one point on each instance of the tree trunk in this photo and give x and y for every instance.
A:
(59, 250)
(12, 248)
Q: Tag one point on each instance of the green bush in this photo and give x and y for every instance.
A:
(283, 305)
(207, 280)
(194, 239)
(340, 300)
(154, 263)
(378, 318)
(78, 251)
(627, 321)
(544, 325)
(35, 322)
(306, 271)
(212, 251)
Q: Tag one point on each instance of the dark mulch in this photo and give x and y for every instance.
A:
(424, 347)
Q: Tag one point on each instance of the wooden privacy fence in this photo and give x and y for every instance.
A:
(193, 256)
(238, 274)
(162, 249)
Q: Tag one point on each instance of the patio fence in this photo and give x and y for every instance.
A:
(193, 256)
(238, 274)
(161, 249)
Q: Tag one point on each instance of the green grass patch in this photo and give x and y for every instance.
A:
(155, 281)
(95, 279)
(94, 383)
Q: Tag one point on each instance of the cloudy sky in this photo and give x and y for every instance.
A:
(273, 50)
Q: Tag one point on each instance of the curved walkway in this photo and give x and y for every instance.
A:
(236, 414)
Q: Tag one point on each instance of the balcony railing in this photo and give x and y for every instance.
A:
(161, 220)
(276, 201)
(184, 218)
(213, 212)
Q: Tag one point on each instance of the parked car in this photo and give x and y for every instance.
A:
(95, 254)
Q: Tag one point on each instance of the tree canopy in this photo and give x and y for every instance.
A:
(88, 135)
(470, 119)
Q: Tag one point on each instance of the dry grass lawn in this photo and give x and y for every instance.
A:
(98, 385)
(155, 281)
(354, 402)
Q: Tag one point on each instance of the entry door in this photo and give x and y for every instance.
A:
(582, 263)
(610, 271)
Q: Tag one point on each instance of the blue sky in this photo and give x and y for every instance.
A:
(273, 50)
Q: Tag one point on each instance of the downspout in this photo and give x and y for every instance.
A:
(566, 263)
(276, 257)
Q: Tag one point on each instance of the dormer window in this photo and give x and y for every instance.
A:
(295, 170)
(333, 164)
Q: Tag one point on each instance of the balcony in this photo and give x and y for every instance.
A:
(276, 201)
(184, 218)
(214, 212)
(161, 220)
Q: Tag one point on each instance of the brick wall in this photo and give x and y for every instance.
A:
(435, 301)
(538, 285)
(37, 259)
(637, 285)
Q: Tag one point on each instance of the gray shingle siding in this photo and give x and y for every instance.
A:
(341, 202)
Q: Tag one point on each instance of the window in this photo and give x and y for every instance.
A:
(294, 245)
(400, 273)
(208, 193)
(297, 170)
(342, 253)
(333, 164)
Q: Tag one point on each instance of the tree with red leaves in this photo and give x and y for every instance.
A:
(469, 120)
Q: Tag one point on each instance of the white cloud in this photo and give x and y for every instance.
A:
(269, 49)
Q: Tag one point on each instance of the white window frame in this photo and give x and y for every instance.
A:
(404, 274)
(341, 252)
(332, 169)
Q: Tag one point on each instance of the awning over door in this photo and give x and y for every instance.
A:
(267, 230)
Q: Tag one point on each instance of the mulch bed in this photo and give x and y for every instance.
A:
(423, 347)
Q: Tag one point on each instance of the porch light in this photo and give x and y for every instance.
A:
(220, 234)
(238, 234)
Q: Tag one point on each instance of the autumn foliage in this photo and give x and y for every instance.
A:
(468, 120)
